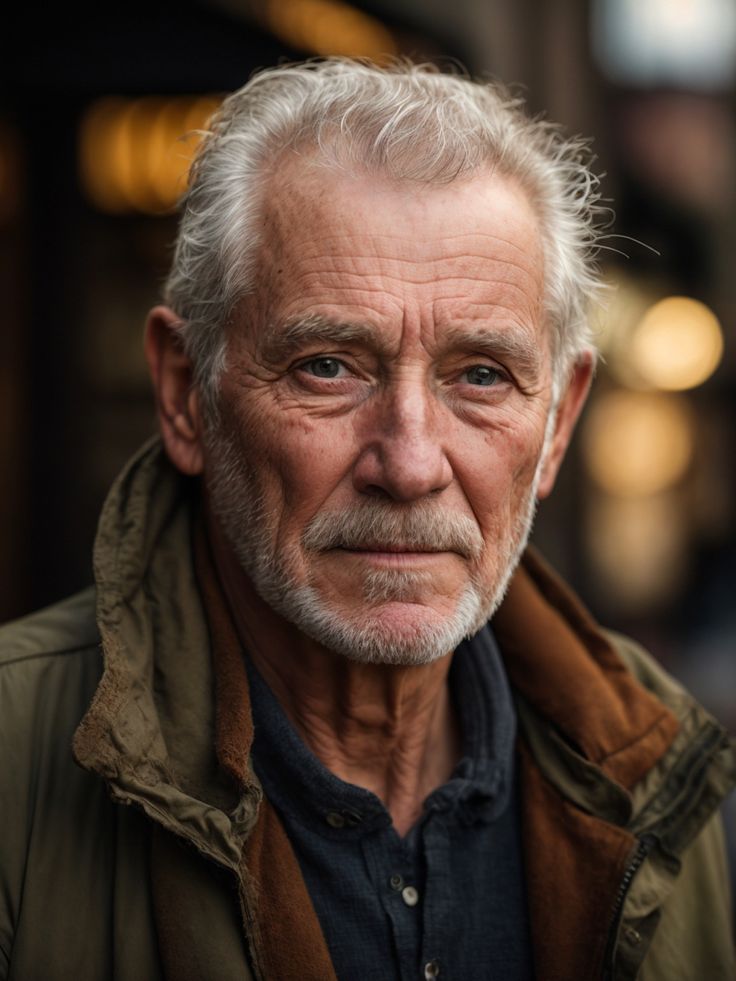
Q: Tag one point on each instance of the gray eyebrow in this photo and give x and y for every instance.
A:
(279, 340)
(518, 348)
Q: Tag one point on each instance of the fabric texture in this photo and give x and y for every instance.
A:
(156, 852)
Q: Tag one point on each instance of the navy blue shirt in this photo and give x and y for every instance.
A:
(446, 901)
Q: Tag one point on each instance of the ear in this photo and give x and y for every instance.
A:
(568, 410)
(177, 399)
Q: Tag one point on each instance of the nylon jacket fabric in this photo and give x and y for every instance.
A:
(135, 855)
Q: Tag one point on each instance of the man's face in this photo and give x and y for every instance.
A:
(383, 409)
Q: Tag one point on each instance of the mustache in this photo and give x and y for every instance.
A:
(379, 525)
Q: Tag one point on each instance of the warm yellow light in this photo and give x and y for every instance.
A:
(98, 155)
(134, 154)
(134, 136)
(637, 546)
(330, 27)
(624, 302)
(677, 345)
(637, 443)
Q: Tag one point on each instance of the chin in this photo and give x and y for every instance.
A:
(393, 633)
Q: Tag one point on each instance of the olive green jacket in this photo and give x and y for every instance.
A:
(624, 881)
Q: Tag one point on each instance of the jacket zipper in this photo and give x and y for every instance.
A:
(642, 850)
(701, 752)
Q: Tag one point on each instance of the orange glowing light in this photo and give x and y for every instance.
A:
(134, 154)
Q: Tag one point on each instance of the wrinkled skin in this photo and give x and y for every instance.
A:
(438, 392)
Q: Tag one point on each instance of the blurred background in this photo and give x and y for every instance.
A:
(93, 115)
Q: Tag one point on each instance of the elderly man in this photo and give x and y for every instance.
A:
(342, 725)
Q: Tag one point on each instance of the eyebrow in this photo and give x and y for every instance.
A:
(278, 341)
(512, 345)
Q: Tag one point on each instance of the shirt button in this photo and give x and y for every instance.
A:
(396, 882)
(410, 895)
(335, 819)
(431, 970)
(351, 817)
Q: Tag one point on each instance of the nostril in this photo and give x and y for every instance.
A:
(375, 490)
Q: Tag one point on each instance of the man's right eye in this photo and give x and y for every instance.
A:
(323, 367)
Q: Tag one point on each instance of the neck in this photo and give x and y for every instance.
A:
(390, 729)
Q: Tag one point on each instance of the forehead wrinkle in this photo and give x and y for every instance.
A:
(434, 249)
(501, 292)
(345, 281)
(396, 265)
(489, 310)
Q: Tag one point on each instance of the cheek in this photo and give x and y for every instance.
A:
(307, 460)
(496, 470)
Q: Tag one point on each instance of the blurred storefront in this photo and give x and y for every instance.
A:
(93, 152)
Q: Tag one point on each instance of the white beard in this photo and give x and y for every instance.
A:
(238, 503)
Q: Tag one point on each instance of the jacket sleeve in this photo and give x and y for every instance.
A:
(19, 761)
(45, 672)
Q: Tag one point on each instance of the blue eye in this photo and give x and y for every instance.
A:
(482, 374)
(323, 367)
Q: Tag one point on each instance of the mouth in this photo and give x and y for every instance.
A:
(392, 548)
(393, 555)
(390, 531)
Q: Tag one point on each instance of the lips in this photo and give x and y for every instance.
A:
(393, 548)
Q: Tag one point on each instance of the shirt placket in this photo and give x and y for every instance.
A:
(397, 876)
(439, 908)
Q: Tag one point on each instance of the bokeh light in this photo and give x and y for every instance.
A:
(329, 27)
(691, 43)
(637, 443)
(638, 547)
(677, 345)
(134, 154)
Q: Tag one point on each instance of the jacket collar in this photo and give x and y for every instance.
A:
(150, 729)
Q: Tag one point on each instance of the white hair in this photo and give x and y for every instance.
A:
(407, 122)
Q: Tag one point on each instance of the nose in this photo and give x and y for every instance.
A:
(403, 456)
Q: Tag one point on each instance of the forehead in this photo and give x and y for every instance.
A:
(470, 249)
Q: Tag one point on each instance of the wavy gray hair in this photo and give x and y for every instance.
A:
(409, 122)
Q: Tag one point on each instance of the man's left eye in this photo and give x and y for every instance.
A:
(324, 367)
(482, 374)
